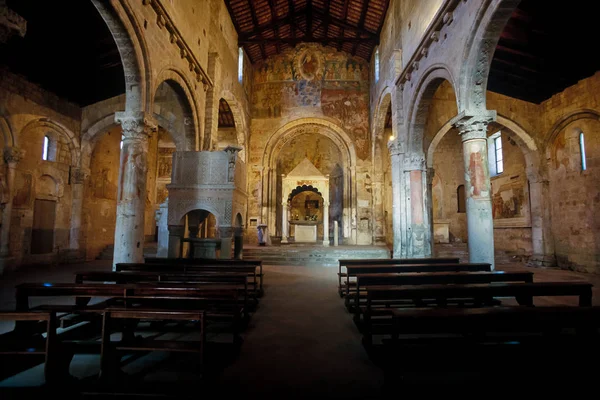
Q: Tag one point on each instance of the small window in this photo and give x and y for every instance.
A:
(240, 64)
(46, 149)
(121, 144)
(462, 201)
(495, 155)
(582, 151)
(377, 65)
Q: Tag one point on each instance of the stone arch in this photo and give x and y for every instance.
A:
(564, 121)
(303, 188)
(340, 138)
(290, 130)
(60, 129)
(130, 41)
(385, 101)
(178, 81)
(419, 109)
(176, 214)
(241, 122)
(490, 20)
(7, 132)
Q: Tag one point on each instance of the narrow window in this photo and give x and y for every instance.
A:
(462, 202)
(582, 151)
(377, 65)
(46, 148)
(240, 64)
(121, 144)
(498, 154)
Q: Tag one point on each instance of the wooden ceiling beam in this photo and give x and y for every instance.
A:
(328, 12)
(290, 16)
(255, 22)
(272, 7)
(361, 22)
(309, 18)
(307, 39)
(344, 25)
(345, 14)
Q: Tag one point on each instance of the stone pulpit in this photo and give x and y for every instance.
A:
(305, 177)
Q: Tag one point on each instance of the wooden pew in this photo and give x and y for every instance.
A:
(173, 277)
(353, 270)
(532, 339)
(257, 277)
(477, 293)
(388, 261)
(110, 352)
(210, 262)
(431, 278)
(15, 346)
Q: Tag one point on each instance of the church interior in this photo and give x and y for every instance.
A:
(297, 198)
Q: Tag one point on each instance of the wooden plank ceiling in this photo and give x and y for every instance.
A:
(544, 49)
(225, 115)
(268, 27)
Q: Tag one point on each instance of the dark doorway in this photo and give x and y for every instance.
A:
(42, 232)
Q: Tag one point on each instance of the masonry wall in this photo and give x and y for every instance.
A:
(33, 113)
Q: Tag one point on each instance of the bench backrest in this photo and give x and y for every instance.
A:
(446, 267)
(200, 261)
(395, 261)
(143, 276)
(183, 268)
(442, 278)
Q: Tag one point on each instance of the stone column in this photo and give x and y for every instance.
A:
(226, 235)
(325, 223)
(480, 223)
(284, 222)
(418, 234)
(541, 228)
(335, 233)
(131, 197)
(161, 217)
(78, 177)
(12, 156)
(176, 233)
(397, 158)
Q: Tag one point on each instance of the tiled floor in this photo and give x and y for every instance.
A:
(301, 342)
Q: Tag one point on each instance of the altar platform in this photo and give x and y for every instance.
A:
(312, 255)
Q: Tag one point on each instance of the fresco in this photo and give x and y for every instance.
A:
(510, 201)
(317, 80)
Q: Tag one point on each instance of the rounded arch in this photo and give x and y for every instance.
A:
(385, 101)
(72, 140)
(92, 135)
(176, 214)
(419, 108)
(189, 139)
(241, 122)
(292, 129)
(490, 20)
(567, 119)
(7, 132)
(130, 41)
(303, 188)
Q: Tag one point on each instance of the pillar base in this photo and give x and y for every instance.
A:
(326, 243)
(284, 240)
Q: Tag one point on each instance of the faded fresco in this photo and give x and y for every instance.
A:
(332, 83)
(510, 201)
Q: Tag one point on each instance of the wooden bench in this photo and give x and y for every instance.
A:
(526, 340)
(353, 270)
(173, 267)
(476, 293)
(211, 262)
(110, 352)
(169, 277)
(15, 346)
(388, 261)
(431, 278)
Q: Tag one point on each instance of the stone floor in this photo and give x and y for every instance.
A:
(301, 342)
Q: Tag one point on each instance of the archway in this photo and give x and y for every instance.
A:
(200, 238)
(342, 173)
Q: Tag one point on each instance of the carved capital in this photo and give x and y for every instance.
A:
(79, 175)
(12, 155)
(11, 23)
(473, 126)
(414, 162)
(136, 125)
(394, 147)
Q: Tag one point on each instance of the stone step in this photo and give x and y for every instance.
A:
(307, 255)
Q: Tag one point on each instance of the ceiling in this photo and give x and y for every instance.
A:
(268, 27)
(225, 115)
(544, 49)
(76, 58)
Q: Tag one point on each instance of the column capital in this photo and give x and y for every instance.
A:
(473, 126)
(12, 156)
(136, 125)
(395, 148)
(79, 175)
(414, 162)
(11, 23)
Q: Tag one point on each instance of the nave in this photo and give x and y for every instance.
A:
(300, 342)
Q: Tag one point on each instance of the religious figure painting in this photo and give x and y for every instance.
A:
(510, 201)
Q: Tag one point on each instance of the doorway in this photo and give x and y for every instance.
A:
(42, 232)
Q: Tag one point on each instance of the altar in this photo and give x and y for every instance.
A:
(305, 231)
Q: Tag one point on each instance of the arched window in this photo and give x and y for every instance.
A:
(462, 201)
(495, 155)
(46, 148)
(121, 144)
(376, 67)
(582, 151)
(240, 64)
